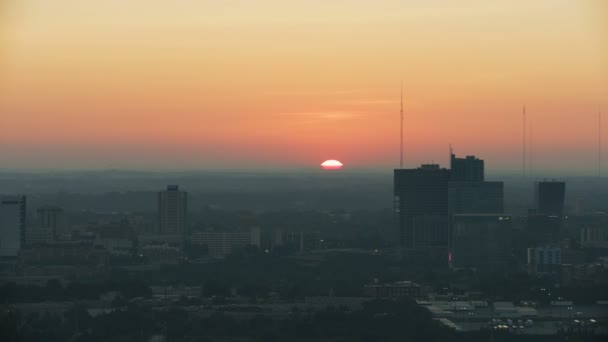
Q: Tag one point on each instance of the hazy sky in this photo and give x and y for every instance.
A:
(196, 84)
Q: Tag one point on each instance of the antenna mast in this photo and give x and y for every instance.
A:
(401, 142)
(530, 152)
(451, 154)
(599, 142)
(524, 146)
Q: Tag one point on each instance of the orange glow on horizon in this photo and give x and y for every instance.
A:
(198, 84)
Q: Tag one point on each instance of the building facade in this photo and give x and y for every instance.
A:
(467, 197)
(172, 211)
(549, 198)
(50, 219)
(12, 225)
(481, 242)
(544, 260)
(295, 241)
(221, 244)
(421, 209)
(399, 289)
(468, 169)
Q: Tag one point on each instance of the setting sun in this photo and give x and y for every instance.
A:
(332, 165)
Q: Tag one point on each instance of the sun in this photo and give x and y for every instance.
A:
(331, 164)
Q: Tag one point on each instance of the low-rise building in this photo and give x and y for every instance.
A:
(399, 289)
(221, 244)
(544, 260)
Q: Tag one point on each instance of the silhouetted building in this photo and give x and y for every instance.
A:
(221, 244)
(12, 225)
(468, 192)
(172, 211)
(475, 197)
(430, 233)
(469, 169)
(50, 219)
(296, 241)
(549, 198)
(594, 236)
(118, 238)
(544, 260)
(481, 241)
(162, 253)
(65, 254)
(68, 260)
(421, 200)
(48, 226)
(399, 289)
(543, 228)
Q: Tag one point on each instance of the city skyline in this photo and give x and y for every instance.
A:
(271, 170)
(267, 85)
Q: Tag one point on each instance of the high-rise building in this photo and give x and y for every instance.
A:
(481, 241)
(469, 169)
(468, 192)
(172, 211)
(12, 225)
(549, 198)
(421, 197)
(467, 197)
(543, 228)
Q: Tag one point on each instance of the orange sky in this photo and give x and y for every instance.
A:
(201, 84)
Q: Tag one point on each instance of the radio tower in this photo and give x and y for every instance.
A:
(523, 169)
(401, 135)
(530, 152)
(599, 142)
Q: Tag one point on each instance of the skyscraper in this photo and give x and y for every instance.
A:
(12, 225)
(468, 192)
(549, 198)
(468, 169)
(172, 211)
(476, 197)
(481, 241)
(421, 198)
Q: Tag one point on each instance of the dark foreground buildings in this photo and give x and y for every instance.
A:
(469, 193)
(172, 211)
(468, 169)
(421, 205)
(481, 242)
(546, 221)
(12, 225)
(549, 198)
(429, 197)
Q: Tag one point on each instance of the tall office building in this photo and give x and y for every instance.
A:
(12, 225)
(468, 192)
(546, 221)
(481, 241)
(476, 197)
(172, 211)
(543, 228)
(421, 202)
(468, 169)
(549, 198)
